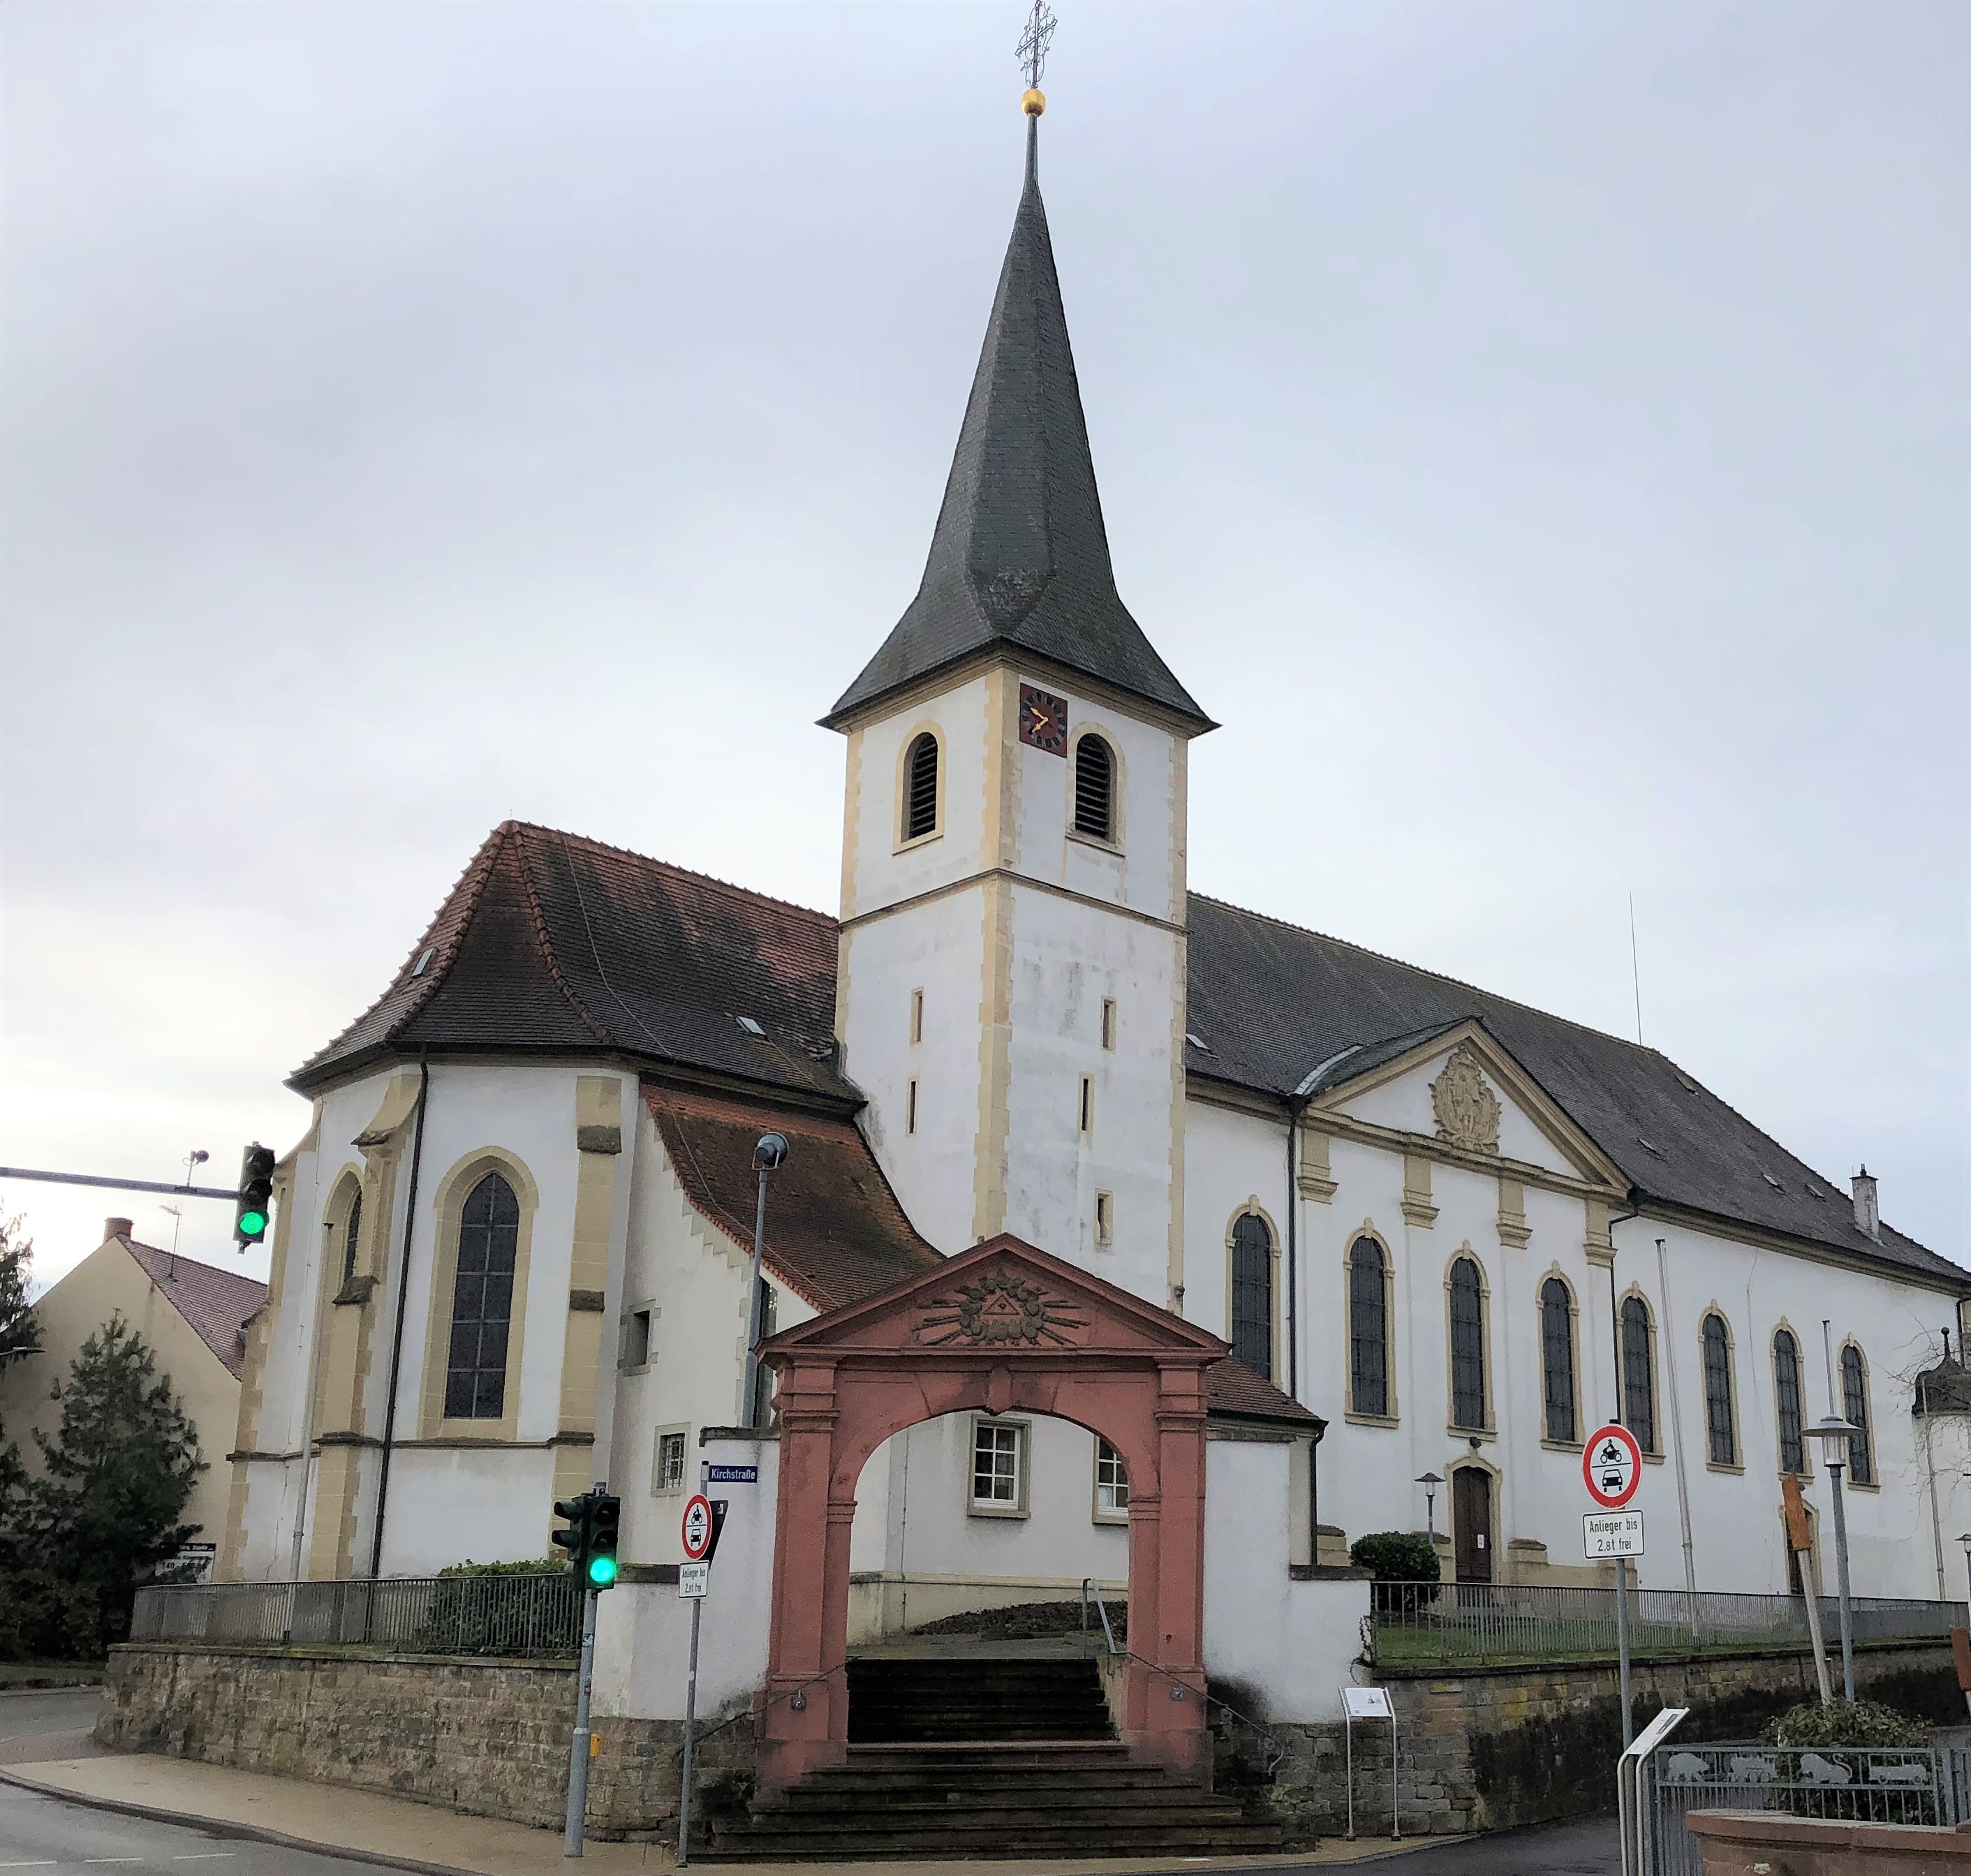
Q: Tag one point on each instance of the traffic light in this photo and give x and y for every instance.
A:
(256, 1195)
(580, 1514)
(605, 1516)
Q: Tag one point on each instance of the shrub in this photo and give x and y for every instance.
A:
(1398, 1560)
(1846, 1723)
(493, 1609)
(1825, 1779)
(530, 1566)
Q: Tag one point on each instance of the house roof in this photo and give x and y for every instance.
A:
(1271, 1002)
(835, 1233)
(551, 943)
(1020, 556)
(216, 1302)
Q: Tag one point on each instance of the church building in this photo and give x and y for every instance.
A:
(1439, 1233)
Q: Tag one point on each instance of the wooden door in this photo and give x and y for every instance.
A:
(1471, 1524)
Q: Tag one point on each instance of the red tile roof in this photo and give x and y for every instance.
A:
(216, 1302)
(835, 1231)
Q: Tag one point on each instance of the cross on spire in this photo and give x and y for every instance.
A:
(1032, 49)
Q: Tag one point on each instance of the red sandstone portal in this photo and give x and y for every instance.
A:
(1003, 1326)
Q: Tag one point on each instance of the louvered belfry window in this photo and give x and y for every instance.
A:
(1253, 1294)
(1094, 789)
(482, 1302)
(1468, 1345)
(1368, 1330)
(920, 788)
(1557, 1358)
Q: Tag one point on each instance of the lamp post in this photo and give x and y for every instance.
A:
(1835, 1435)
(1430, 1481)
(770, 1154)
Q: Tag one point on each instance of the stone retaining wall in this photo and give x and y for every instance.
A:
(487, 1737)
(1510, 1746)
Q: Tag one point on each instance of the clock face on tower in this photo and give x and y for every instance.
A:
(1043, 721)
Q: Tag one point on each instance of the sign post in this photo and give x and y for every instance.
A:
(1800, 1541)
(1611, 1467)
(1369, 1703)
(702, 1520)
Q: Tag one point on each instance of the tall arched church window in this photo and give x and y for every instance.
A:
(1252, 1293)
(1368, 1330)
(1854, 1410)
(1786, 1401)
(1639, 1390)
(1468, 1345)
(482, 1302)
(352, 1234)
(920, 788)
(1557, 1359)
(1721, 1430)
(1094, 788)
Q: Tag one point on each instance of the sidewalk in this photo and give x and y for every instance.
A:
(345, 1821)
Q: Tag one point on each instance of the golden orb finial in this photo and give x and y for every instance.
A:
(1035, 102)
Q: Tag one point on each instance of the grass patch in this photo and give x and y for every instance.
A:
(16, 1674)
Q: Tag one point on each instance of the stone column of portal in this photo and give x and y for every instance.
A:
(1175, 1727)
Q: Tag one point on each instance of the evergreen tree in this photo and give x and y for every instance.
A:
(18, 1334)
(117, 1476)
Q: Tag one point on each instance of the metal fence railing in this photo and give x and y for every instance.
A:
(449, 1615)
(1432, 1624)
(1849, 1784)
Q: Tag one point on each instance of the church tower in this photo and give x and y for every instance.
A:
(1011, 989)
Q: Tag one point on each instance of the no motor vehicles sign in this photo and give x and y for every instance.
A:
(1612, 1466)
(697, 1531)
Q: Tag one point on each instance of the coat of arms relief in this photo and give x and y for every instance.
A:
(1467, 1109)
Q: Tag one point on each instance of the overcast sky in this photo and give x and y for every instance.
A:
(1537, 431)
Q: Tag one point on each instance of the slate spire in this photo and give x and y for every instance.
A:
(1020, 555)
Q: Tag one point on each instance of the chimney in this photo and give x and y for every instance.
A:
(1867, 1217)
(117, 1228)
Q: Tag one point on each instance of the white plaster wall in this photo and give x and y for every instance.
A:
(1066, 959)
(1289, 1645)
(1366, 1471)
(1404, 1104)
(1231, 1160)
(642, 1633)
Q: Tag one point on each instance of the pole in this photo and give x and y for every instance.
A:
(690, 1720)
(1622, 1646)
(1676, 1434)
(117, 1185)
(1348, 1734)
(1841, 1566)
(1811, 1599)
(578, 1749)
(748, 1410)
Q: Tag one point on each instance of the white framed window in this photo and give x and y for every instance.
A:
(917, 1016)
(998, 1468)
(1112, 1485)
(636, 1325)
(911, 1107)
(1109, 1022)
(1086, 1117)
(1105, 1218)
(667, 1467)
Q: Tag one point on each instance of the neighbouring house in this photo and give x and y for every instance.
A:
(191, 1315)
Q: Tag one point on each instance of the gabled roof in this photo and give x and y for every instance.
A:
(835, 1231)
(551, 943)
(1271, 1002)
(217, 1303)
(1020, 556)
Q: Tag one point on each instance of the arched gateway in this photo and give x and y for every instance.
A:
(1003, 1326)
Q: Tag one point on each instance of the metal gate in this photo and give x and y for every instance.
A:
(1659, 1779)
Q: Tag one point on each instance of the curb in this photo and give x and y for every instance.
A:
(226, 1827)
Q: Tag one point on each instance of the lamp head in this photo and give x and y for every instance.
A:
(769, 1154)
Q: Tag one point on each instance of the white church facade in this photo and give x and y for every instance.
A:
(1441, 1232)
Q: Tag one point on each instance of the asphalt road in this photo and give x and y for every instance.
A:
(46, 1723)
(1590, 1848)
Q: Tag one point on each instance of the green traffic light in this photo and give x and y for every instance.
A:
(602, 1571)
(252, 1223)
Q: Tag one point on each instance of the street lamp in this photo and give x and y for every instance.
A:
(1835, 1435)
(770, 1154)
(1430, 1481)
(1966, 1541)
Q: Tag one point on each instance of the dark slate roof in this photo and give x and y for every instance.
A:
(217, 1303)
(1270, 1003)
(1020, 555)
(551, 943)
(835, 1231)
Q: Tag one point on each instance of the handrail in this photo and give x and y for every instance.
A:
(1089, 1590)
(751, 1712)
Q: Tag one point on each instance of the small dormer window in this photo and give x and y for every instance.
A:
(920, 788)
(1094, 789)
(424, 960)
(751, 1027)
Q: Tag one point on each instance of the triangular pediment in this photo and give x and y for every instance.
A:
(1459, 1086)
(1003, 1301)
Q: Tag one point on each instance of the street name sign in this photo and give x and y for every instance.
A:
(1611, 1467)
(732, 1475)
(694, 1579)
(1611, 1534)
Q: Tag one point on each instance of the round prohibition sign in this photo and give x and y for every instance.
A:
(697, 1526)
(1612, 1466)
